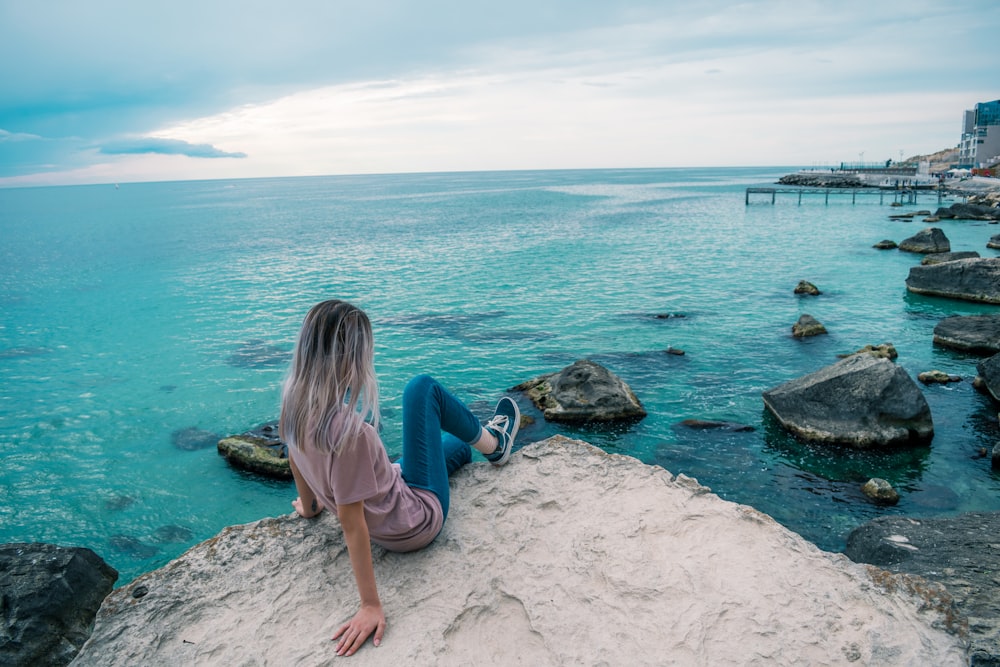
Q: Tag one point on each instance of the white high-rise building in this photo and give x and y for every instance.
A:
(980, 145)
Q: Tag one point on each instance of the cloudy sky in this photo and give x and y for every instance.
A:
(113, 91)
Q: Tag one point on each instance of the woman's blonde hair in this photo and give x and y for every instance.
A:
(331, 386)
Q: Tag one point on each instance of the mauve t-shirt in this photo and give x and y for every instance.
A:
(399, 517)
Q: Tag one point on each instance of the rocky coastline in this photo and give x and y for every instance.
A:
(567, 555)
(934, 572)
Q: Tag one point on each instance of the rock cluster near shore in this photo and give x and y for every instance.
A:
(567, 555)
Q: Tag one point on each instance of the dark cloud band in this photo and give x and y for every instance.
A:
(165, 147)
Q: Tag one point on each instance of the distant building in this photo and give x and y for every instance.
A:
(980, 145)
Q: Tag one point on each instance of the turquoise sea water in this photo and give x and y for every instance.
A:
(138, 319)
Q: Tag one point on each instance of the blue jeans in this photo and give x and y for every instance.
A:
(437, 433)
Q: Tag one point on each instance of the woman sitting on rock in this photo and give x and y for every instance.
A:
(329, 420)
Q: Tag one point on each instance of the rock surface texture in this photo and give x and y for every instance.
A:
(978, 334)
(584, 391)
(989, 376)
(959, 553)
(50, 595)
(861, 401)
(941, 257)
(965, 279)
(565, 556)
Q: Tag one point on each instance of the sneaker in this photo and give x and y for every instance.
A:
(504, 424)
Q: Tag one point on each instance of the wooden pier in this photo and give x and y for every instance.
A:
(895, 197)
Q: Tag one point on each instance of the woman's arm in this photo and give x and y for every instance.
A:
(306, 504)
(370, 617)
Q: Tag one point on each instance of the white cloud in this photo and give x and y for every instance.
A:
(536, 86)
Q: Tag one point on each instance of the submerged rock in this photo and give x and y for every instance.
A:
(50, 596)
(193, 438)
(931, 239)
(710, 424)
(132, 546)
(583, 392)
(860, 401)
(978, 334)
(966, 279)
(556, 549)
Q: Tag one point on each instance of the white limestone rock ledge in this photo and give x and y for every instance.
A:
(566, 556)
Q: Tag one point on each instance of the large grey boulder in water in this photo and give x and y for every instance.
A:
(966, 279)
(977, 334)
(928, 240)
(861, 401)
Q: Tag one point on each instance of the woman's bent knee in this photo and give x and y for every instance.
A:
(421, 384)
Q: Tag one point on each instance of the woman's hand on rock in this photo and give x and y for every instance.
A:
(353, 634)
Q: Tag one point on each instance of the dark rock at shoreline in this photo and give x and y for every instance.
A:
(988, 379)
(51, 595)
(994, 242)
(807, 326)
(955, 552)
(172, 533)
(965, 279)
(822, 180)
(885, 244)
(583, 392)
(861, 401)
(929, 240)
(941, 257)
(969, 211)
